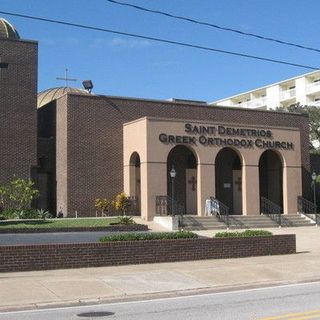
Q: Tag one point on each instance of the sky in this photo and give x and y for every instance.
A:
(124, 66)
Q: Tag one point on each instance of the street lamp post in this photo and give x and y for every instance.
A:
(314, 177)
(173, 174)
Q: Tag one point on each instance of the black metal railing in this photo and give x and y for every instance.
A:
(220, 210)
(308, 209)
(270, 209)
(166, 206)
(133, 208)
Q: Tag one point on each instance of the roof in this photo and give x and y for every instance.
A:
(46, 96)
(7, 30)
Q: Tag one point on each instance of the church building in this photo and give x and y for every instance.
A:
(80, 146)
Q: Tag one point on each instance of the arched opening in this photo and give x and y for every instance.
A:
(183, 160)
(135, 178)
(271, 177)
(228, 172)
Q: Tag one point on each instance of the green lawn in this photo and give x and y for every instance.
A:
(58, 223)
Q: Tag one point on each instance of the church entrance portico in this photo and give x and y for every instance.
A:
(210, 162)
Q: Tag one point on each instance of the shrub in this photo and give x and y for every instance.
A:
(24, 214)
(136, 236)
(28, 214)
(10, 214)
(104, 205)
(246, 233)
(126, 220)
(18, 194)
(43, 214)
(122, 203)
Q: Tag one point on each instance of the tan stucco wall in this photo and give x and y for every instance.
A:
(142, 136)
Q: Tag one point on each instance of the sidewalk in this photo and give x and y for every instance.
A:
(38, 289)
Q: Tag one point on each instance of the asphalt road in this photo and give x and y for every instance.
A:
(49, 238)
(294, 302)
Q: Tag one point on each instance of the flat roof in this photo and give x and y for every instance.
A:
(196, 105)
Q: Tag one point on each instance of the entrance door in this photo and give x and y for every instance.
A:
(191, 191)
(237, 194)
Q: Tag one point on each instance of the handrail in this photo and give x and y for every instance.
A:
(220, 210)
(308, 208)
(270, 209)
(166, 206)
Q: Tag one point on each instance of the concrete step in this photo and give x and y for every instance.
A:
(202, 223)
(244, 222)
(296, 221)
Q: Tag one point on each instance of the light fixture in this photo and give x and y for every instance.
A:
(88, 85)
(173, 173)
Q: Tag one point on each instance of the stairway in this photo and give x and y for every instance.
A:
(202, 223)
(296, 220)
(251, 222)
(244, 222)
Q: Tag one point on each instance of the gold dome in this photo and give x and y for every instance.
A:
(7, 30)
(46, 96)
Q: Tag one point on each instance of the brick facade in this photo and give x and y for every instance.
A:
(18, 98)
(62, 256)
(89, 147)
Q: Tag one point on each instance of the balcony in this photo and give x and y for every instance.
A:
(253, 104)
(287, 94)
(314, 103)
(313, 87)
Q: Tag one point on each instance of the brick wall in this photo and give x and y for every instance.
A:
(91, 160)
(18, 94)
(61, 256)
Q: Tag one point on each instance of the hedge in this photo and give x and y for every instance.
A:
(134, 236)
(246, 233)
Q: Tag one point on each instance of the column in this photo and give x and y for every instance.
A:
(292, 188)
(250, 190)
(205, 185)
(129, 180)
(153, 183)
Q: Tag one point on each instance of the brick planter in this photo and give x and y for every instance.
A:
(62, 256)
(112, 228)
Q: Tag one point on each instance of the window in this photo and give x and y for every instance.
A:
(4, 65)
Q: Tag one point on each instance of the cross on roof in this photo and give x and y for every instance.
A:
(66, 79)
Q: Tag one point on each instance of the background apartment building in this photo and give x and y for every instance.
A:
(304, 89)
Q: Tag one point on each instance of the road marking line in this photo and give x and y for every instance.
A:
(308, 317)
(293, 316)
